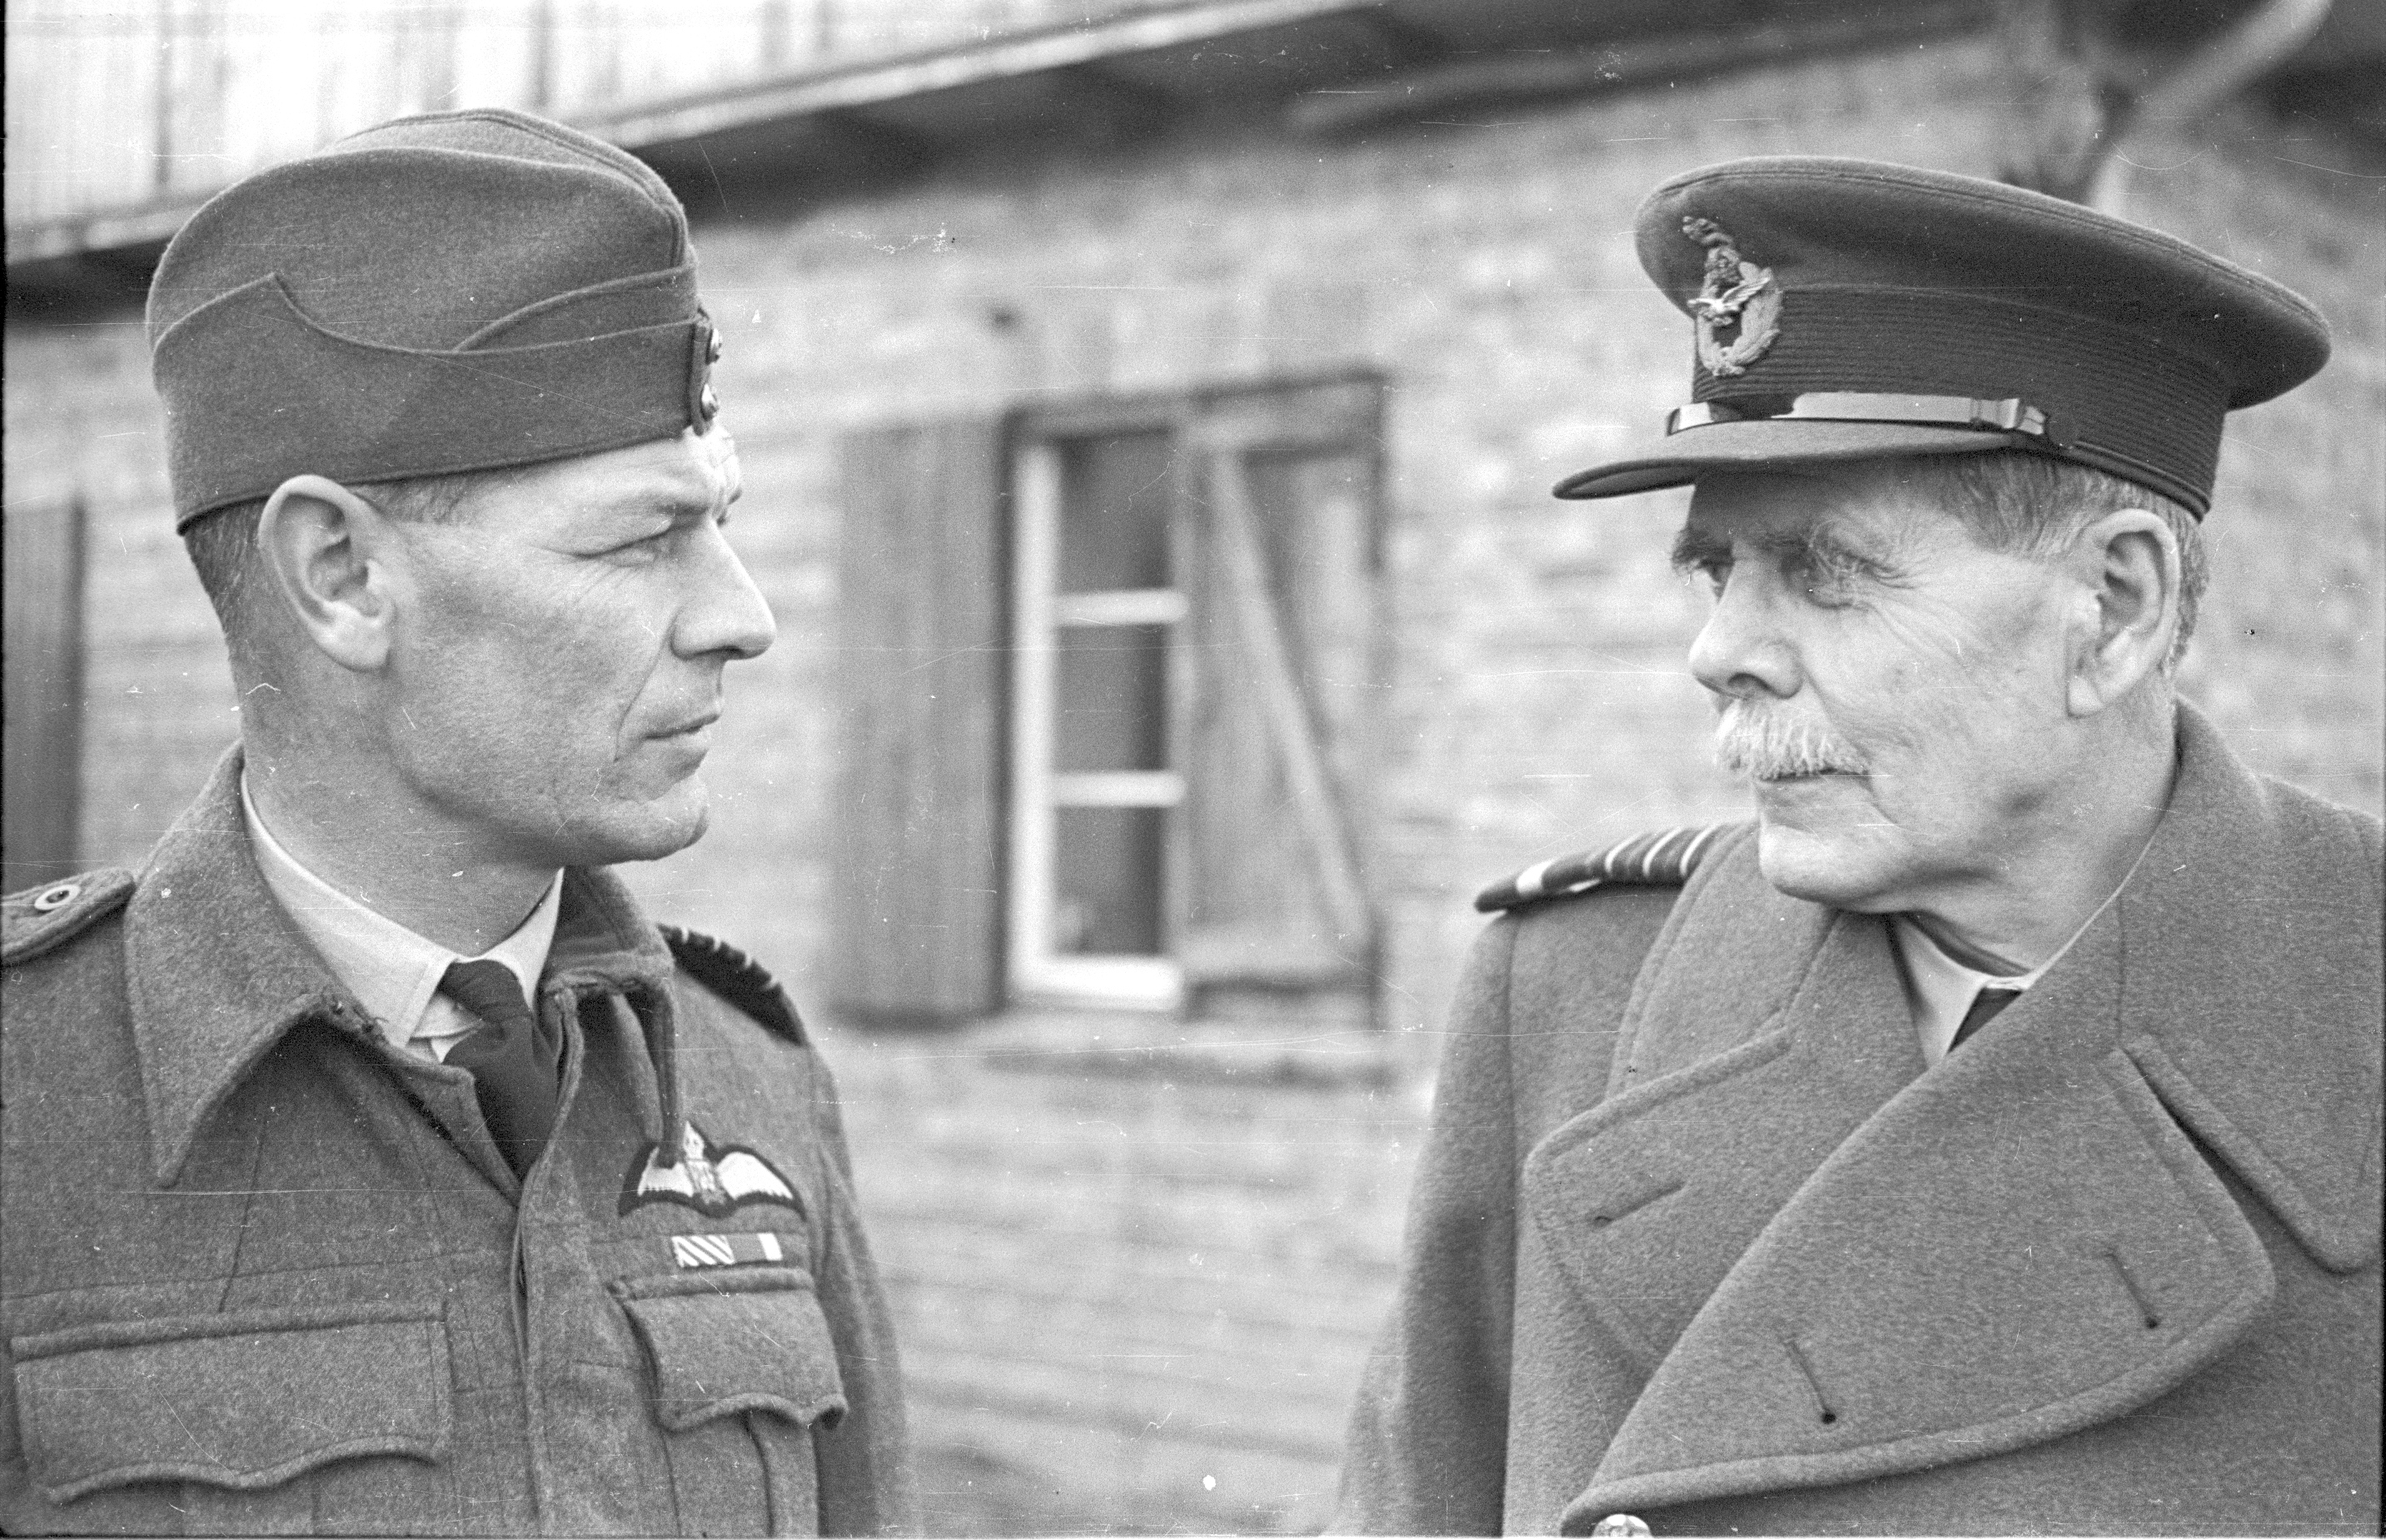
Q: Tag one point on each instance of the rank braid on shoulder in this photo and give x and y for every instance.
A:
(1663, 858)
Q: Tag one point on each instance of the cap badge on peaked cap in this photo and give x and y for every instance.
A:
(1896, 311)
(1737, 292)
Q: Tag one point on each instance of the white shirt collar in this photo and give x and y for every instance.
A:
(392, 971)
(1940, 990)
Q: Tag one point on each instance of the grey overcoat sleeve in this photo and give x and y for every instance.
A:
(1426, 1450)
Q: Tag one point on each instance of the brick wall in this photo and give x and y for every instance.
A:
(1078, 1368)
(1538, 700)
(1128, 1303)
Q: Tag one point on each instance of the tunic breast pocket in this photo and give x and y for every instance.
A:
(314, 1419)
(743, 1367)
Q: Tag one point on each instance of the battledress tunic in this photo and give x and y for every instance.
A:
(261, 1272)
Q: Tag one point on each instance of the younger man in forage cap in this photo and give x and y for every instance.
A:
(373, 1164)
(1744, 1210)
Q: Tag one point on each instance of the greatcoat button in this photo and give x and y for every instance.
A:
(1621, 1523)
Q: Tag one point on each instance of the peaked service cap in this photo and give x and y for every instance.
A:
(461, 291)
(1850, 310)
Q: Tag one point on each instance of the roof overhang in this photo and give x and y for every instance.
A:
(1318, 67)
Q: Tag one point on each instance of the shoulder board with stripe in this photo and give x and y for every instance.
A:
(735, 978)
(1665, 858)
(43, 919)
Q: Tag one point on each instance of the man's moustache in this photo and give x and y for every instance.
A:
(1768, 745)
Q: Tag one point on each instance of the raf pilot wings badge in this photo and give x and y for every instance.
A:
(713, 1178)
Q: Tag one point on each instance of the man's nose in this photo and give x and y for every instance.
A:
(728, 613)
(1741, 650)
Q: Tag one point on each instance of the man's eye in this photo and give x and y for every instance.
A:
(1830, 577)
(1711, 571)
(646, 549)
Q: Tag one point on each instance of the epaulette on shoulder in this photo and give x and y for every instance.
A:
(1665, 858)
(41, 919)
(735, 978)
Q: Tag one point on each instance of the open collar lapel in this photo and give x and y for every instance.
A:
(2253, 998)
(606, 950)
(2025, 1241)
(216, 974)
(1762, 1033)
(2020, 1245)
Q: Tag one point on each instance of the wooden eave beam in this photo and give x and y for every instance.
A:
(694, 117)
(682, 131)
(1620, 65)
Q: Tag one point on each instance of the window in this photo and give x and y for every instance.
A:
(1107, 678)
(1194, 594)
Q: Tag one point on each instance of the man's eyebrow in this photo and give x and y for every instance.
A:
(1824, 540)
(677, 506)
(1696, 547)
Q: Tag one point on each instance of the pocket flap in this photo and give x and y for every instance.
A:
(751, 1339)
(242, 1400)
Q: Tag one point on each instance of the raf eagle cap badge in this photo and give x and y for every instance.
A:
(1737, 292)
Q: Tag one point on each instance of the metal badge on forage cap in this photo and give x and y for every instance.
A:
(456, 292)
(1852, 310)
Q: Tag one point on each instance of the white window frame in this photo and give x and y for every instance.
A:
(1038, 974)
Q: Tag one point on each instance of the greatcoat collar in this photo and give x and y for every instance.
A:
(216, 974)
(1836, 1266)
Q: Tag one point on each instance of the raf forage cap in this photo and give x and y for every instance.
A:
(456, 292)
(1849, 309)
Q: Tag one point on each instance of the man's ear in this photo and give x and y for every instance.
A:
(2128, 563)
(326, 550)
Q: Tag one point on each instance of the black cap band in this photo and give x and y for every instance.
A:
(2109, 396)
(1845, 310)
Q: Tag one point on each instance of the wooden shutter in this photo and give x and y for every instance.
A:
(917, 847)
(1281, 547)
(44, 668)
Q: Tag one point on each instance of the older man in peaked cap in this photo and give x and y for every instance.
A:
(1986, 1138)
(372, 1164)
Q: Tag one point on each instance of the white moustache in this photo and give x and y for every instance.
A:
(1768, 745)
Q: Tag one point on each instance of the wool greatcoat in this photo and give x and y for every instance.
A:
(262, 1273)
(1698, 1238)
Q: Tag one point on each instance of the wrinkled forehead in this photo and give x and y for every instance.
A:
(1780, 501)
(1865, 502)
(716, 453)
(690, 469)
(687, 475)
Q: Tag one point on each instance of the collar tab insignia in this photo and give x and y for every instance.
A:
(714, 1179)
(1736, 294)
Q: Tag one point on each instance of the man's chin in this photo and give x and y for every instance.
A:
(1835, 866)
(646, 830)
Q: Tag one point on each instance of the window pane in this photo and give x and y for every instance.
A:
(1114, 494)
(1110, 713)
(1106, 872)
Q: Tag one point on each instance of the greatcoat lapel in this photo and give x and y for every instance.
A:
(1731, 1084)
(2023, 1241)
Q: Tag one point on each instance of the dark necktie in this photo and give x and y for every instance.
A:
(513, 1060)
(1985, 1004)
